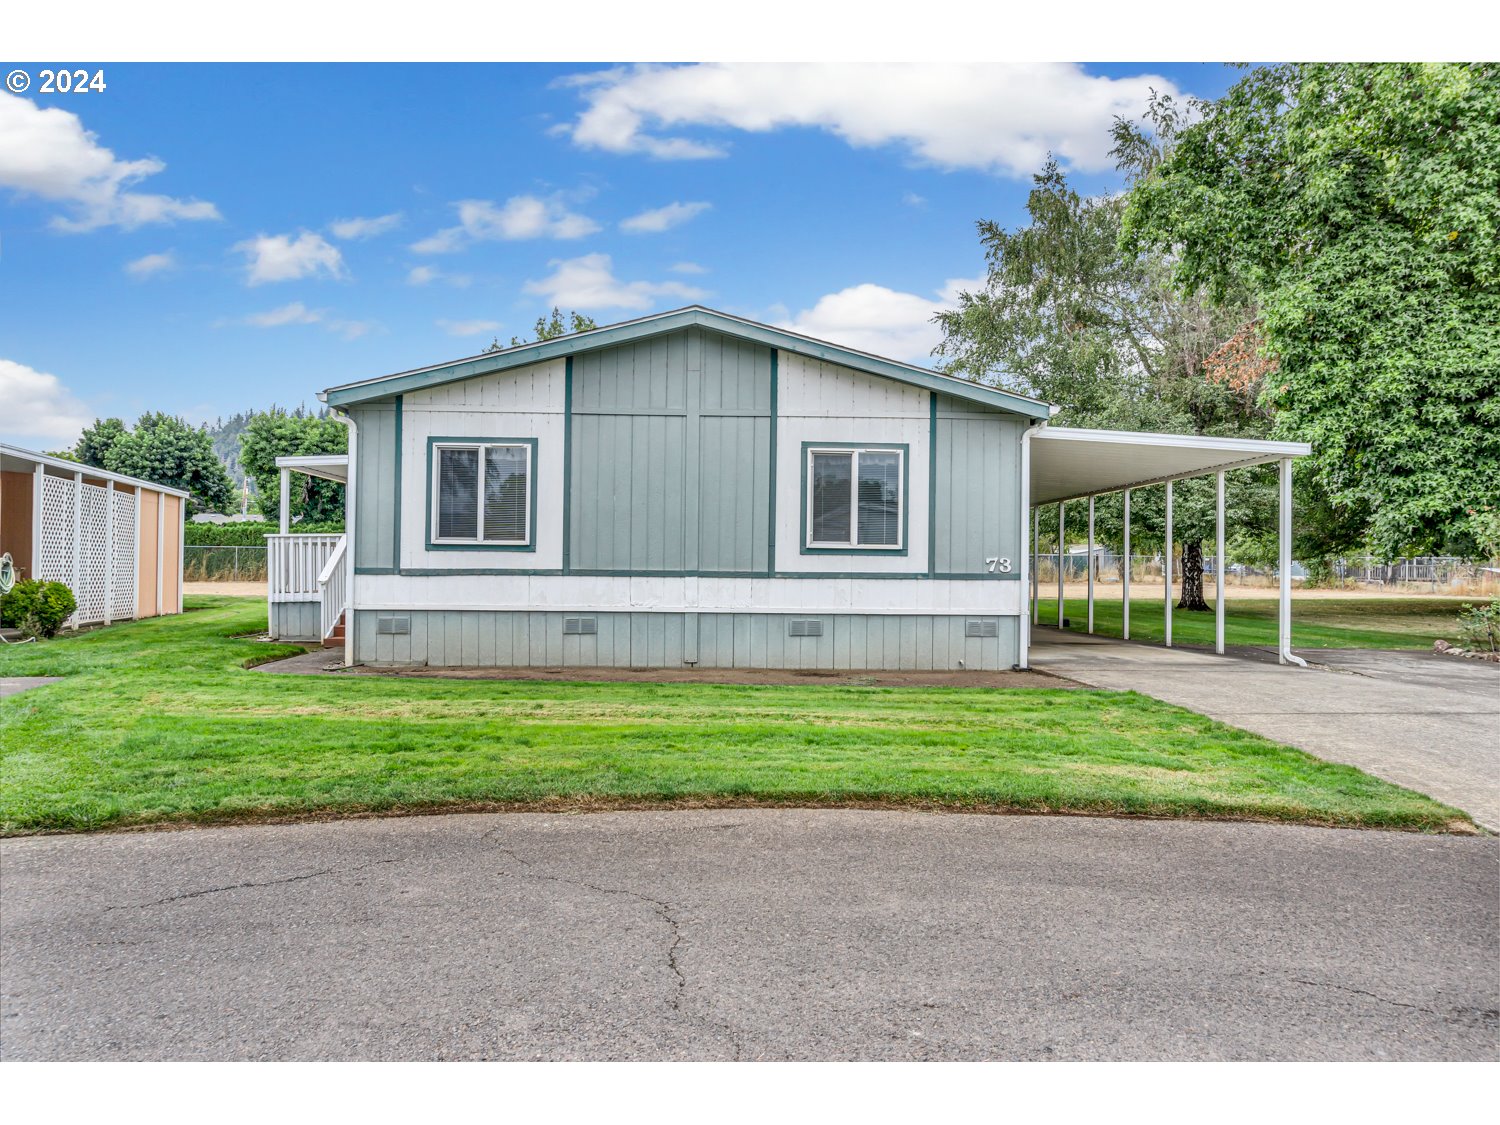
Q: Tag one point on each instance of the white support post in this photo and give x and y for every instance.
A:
(1036, 570)
(77, 540)
(1284, 529)
(1125, 584)
(135, 559)
(161, 550)
(37, 475)
(1090, 564)
(1166, 566)
(286, 501)
(1028, 545)
(109, 551)
(1219, 566)
(1061, 517)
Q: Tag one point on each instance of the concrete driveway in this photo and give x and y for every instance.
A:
(750, 934)
(1428, 722)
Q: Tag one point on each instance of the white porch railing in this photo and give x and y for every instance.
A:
(333, 586)
(293, 564)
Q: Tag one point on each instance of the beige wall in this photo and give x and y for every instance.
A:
(171, 556)
(145, 573)
(15, 519)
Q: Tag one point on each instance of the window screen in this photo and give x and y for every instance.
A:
(855, 498)
(879, 499)
(831, 473)
(458, 494)
(505, 499)
(498, 512)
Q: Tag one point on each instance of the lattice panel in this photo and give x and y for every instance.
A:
(123, 600)
(93, 556)
(57, 530)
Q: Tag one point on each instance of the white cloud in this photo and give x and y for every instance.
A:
(997, 117)
(298, 313)
(519, 217)
(46, 412)
(468, 327)
(589, 283)
(348, 229)
(687, 267)
(663, 218)
(48, 153)
(912, 199)
(882, 321)
(426, 275)
(152, 264)
(280, 257)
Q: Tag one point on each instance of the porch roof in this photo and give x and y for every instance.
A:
(1068, 464)
(329, 466)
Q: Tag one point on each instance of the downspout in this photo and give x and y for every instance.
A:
(1027, 546)
(351, 514)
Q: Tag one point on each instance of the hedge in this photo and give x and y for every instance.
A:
(250, 534)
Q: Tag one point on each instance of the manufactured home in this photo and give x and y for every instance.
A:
(693, 489)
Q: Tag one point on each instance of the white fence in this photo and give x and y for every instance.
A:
(333, 586)
(88, 542)
(293, 563)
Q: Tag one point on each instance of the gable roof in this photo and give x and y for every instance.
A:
(348, 394)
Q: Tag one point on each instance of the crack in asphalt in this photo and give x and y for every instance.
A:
(241, 886)
(1363, 992)
(661, 908)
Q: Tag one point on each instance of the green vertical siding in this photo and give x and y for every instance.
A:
(670, 444)
(850, 642)
(976, 491)
(375, 529)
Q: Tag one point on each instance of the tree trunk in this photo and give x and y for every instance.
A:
(1192, 577)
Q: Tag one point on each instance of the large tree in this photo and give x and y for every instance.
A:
(164, 449)
(1358, 207)
(1068, 317)
(551, 327)
(274, 433)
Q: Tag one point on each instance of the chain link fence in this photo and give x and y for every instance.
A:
(223, 564)
(1435, 574)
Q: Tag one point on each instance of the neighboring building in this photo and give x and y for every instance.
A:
(115, 541)
(689, 489)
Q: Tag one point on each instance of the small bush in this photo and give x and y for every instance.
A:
(1479, 627)
(37, 608)
(251, 533)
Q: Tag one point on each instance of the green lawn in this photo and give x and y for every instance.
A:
(158, 720)
(1316, 622)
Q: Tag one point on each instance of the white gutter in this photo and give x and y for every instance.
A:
(1026, 545)
(350, 515)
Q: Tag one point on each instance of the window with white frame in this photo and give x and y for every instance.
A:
(854, 498)
(482, 493)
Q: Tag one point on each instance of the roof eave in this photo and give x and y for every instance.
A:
(421, 378)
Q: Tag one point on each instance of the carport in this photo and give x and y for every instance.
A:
(1060, 465)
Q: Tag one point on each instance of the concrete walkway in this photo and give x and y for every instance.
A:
(1430, 723)
(750, 934)
(15, 685)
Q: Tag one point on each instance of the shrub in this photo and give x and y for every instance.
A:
(37, 608)
(1479, 627)
(251, 533)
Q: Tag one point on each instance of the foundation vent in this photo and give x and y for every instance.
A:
(805, 627)
(387, 626)
(981, 628)
(579, 626)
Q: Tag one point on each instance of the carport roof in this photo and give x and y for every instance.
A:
(1067, 464)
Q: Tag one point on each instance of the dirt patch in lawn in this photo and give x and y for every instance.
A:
(326, 662)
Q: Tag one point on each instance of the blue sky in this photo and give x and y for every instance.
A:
(207, 239)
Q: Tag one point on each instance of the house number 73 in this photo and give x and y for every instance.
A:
(997, 566)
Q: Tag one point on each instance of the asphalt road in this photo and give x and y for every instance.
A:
(750, 934)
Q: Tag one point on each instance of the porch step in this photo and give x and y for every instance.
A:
(335, 638)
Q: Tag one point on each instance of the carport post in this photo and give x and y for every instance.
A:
(1125, 576)
(1036, 556)
(1284, 529)
(1219, 566)
(1090, 564)
(286, 501)
(1061, 508)
(1166, 565)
